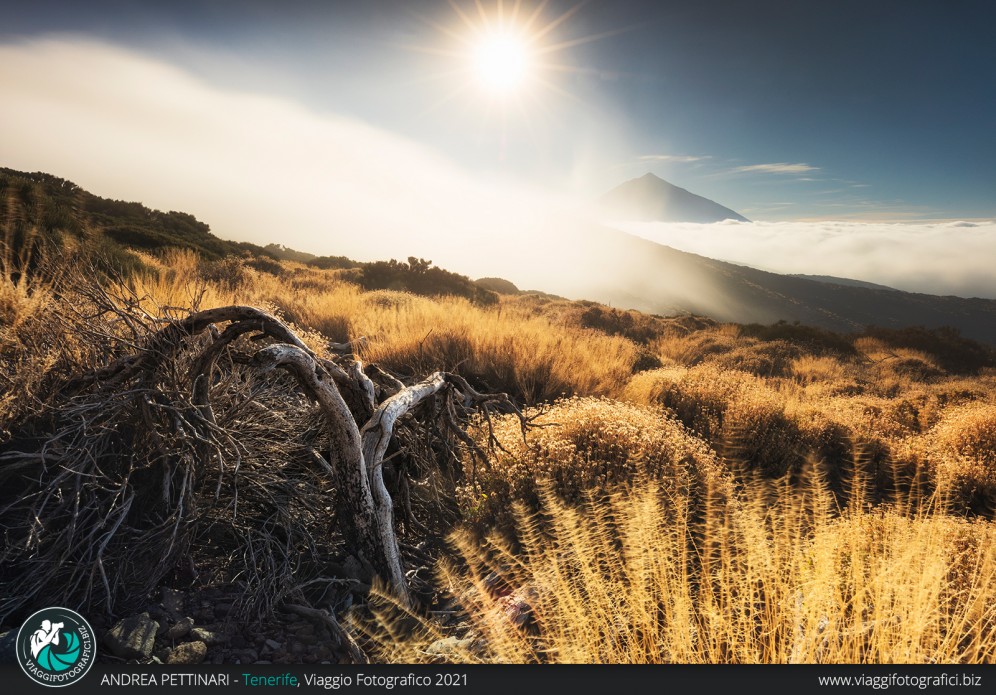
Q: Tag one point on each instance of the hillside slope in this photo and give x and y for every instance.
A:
(640, 274)
(49, 209)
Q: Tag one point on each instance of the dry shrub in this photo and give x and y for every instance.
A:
(108, 488)
(696, 346)
(912, 367)
(637, 326)
(739, 414)
(692, 394)
(807, 369)
(893, 369)
(964, 453)
(944, 347)
(38, 347)
(583, 444)
(758, 435)
(769, 359)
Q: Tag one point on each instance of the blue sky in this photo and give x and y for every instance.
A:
(780, 110)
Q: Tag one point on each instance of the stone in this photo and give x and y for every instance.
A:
(208, 637)
(273, 644)
(133, 638)
(188, 653)
(449, 646)
(180, 629)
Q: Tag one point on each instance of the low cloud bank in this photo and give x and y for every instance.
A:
(955, 258)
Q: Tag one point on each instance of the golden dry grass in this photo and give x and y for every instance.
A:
(675, 567)
(507, 347)
(779, 578)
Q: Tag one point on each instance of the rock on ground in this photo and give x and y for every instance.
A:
(188, 653)
(132, 638)
(207, 636)
(180, 629)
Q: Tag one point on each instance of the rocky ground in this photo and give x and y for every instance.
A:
(201, 624)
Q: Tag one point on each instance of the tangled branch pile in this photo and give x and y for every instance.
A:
(219, 438)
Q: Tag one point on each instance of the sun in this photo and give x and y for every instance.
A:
(501, 62)
(512, 54)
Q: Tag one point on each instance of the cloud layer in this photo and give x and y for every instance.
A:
(935, 258)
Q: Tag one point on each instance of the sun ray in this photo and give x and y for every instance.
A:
(485, 20)
(468, 22)
(571, 43)
(455, 35)
(556, 22)
(534, 16)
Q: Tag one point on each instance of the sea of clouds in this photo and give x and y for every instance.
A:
(957, 258)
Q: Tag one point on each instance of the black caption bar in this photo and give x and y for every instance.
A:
(273, 679)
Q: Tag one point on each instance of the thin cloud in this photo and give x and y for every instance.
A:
(680, 158)
(775, 168)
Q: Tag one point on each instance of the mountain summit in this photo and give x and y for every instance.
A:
(652, 199)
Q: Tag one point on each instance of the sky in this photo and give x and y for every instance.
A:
(780, 110)
(367, 128)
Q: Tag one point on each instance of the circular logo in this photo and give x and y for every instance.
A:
(55, 647)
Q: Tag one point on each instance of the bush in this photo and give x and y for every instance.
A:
(333, 263)
(814, 340)
(419, 277)
(964, 454)
(583, 445)
(946, 346)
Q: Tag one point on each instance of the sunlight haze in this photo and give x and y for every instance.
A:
(319, 159)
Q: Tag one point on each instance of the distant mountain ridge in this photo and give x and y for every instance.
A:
(652, 199)
(849, 282)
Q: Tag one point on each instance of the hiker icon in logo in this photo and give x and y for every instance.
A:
(55, 647)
